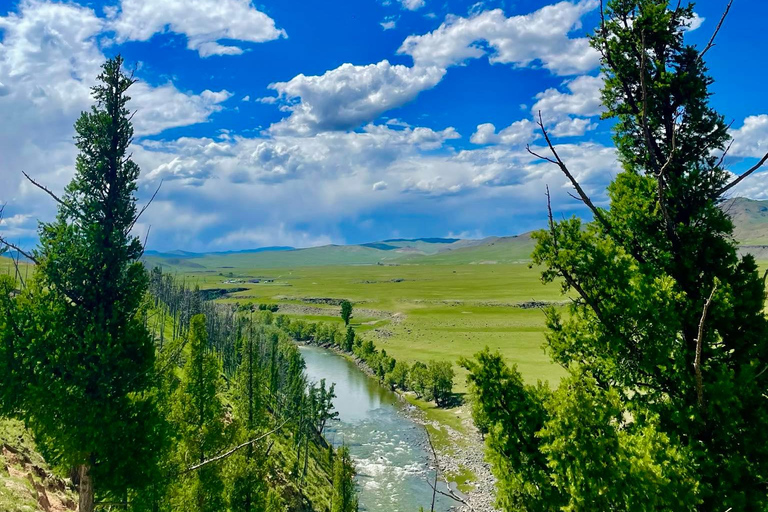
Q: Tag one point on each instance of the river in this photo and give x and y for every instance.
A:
(389, 448)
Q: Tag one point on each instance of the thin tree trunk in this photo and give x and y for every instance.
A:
(86, 489)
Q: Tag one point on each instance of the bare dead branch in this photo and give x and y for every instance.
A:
(50, 193)
(146, 237)
(540, 157)
(725, 153)
(582, 195)
(742, 176)
(144, 208)
(233, 450)
(435, 490)
(18, 249)
(699, 341)
(711, 42)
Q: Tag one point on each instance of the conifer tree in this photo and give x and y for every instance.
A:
(198, 418)
(344, 495)
(83, 374)
(666, 343)
(346, 311)
(247, 468)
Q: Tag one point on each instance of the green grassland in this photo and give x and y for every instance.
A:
(9, 267)
(440, 306)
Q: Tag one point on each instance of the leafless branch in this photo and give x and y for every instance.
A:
(742, 176)
(699, 341)
(146, 237)
(725, 152)
(233, 450)
(540, 157)
(559, 162)
(18, 271)
(711, 42)
(49, 192)
(18, 249)
(435, 490)
(144, 208)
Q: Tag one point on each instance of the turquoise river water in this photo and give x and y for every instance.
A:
(390, 449)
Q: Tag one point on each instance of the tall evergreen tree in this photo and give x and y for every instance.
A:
(198, 417)
(346, 311)
(83, 360)
(666, 343)
(246, 477)
(344, 495)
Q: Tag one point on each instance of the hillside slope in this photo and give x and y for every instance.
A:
(26, 482)
(750, 220)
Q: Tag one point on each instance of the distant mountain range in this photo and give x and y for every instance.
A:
(187, 254)
(750, 219)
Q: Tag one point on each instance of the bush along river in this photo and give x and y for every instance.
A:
(391, 452)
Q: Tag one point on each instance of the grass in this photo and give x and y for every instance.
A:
(8, 267)
(24, 475)
(420, 311)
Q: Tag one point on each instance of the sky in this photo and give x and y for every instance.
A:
(304, 122)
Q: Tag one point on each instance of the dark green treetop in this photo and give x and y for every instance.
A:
(346, 311)
(666, 341)
(84, 358)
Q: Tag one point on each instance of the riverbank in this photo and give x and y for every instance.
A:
(459, 447)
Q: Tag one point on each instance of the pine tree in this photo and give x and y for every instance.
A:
(346, 311)
(84, 361)
(246, 477)
(664, 407)
(349, 339)
(198, 418)
(344, 496)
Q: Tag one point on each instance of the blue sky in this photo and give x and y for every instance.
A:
(302, 122)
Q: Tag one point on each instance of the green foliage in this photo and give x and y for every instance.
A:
(601, 460)
(440, 382)
(198, 420)
(246, 477)
(664, 408)
(83, 362)
(398, 377)
(344, 496)
(346, 311)
(418, 378)
(349, 339)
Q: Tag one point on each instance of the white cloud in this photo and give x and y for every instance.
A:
(540, 37)
(695, 22)
(751, 140)
(49, 59)
(388, 24)
(349, 95)
(203, 22)
(163, 107)
(246, 98)
(583, 98)
(572, 127)
(279, 235)
(412, 5)
(293, 185)
(518, 133)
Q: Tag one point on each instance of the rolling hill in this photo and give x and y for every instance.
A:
(386, 252)
(750, 218)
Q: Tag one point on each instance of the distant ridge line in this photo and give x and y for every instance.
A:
(425, 240)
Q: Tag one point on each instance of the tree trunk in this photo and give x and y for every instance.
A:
(86, 489)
